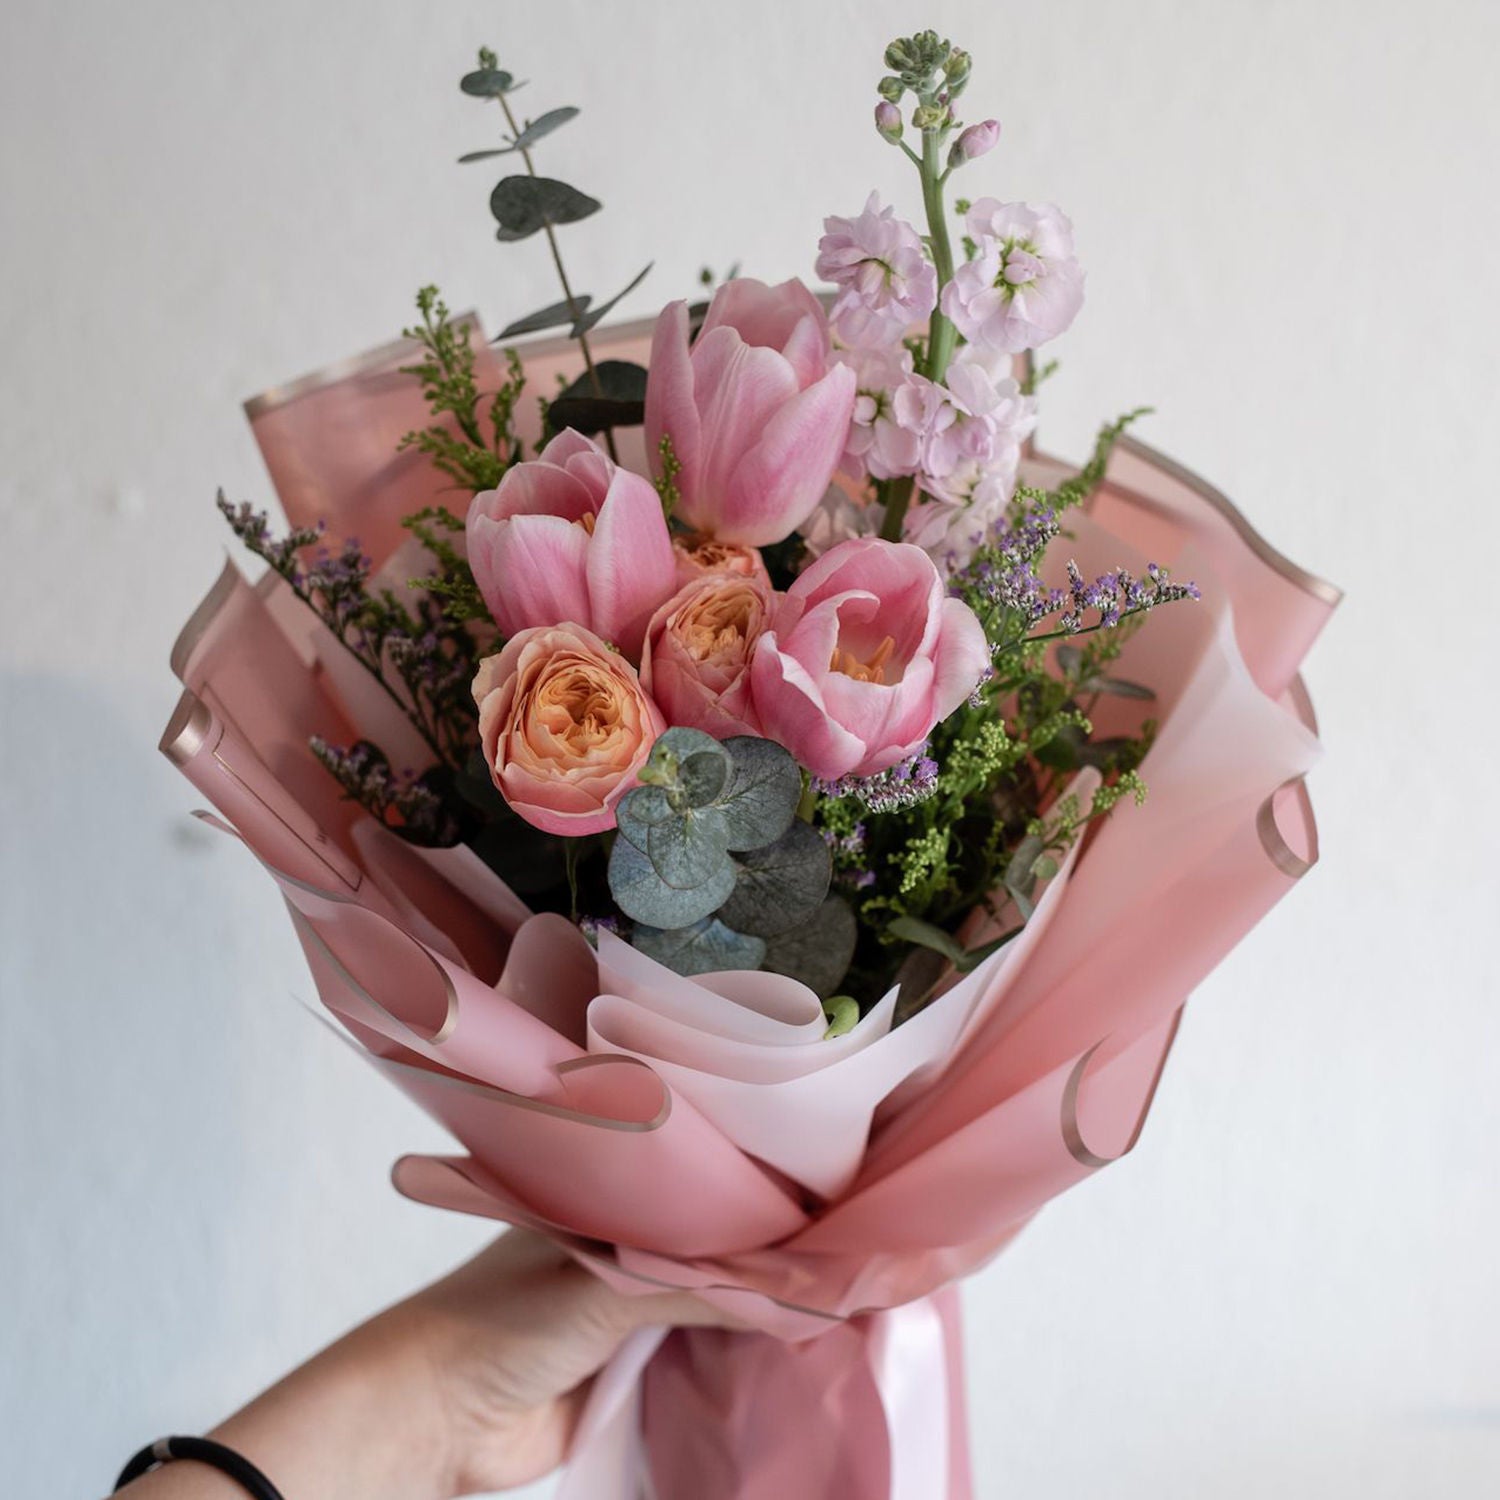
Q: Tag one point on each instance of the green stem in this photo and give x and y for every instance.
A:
(941, 335)
(574, 311)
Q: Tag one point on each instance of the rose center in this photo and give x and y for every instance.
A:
(872, 670)
(592, 712)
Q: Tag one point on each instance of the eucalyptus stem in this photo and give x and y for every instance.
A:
(574, 310)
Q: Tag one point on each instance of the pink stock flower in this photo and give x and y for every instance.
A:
(968, 435)
(756, 414)
(697, 555)
(572, 537)
(1024, 286)
(879, 444)
(565, 725)
(865, 655)
(837, 518)
(886, 283)
(975, 142)
(696, 664)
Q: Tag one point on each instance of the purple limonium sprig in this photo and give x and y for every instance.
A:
(591, 927)
(1003, 570)
(253, 528)
(1117, 595)
(905, 784)
(397, 798)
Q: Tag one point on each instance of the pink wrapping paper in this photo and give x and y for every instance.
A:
(697, 1133)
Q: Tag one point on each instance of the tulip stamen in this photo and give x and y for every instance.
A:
(863, 671)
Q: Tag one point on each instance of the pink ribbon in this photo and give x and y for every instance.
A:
(912, 1379)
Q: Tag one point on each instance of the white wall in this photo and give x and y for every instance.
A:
(1287, 209)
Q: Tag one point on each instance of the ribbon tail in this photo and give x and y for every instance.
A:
(916, 1356)
(607, 1460)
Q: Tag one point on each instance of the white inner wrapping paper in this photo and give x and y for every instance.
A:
(748, 1049)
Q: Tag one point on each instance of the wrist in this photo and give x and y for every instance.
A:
(362, 1419)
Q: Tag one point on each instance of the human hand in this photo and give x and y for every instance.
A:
(515, 1336)
(472, 1385)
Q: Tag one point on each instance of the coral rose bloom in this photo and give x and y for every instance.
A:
(565, 726)
(698, 650)
(697, 554)
(865, 656)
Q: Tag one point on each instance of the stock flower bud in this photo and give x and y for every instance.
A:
(929, 116)
(956, 70)
(888, 121)
(974, 142)
(891, 90)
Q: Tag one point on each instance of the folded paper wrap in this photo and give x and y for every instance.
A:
(702, 1133)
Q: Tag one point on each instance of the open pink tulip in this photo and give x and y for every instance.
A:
(757, 415)
(572, 537)
(865, 655)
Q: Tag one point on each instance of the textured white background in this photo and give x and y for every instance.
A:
(1288, 214)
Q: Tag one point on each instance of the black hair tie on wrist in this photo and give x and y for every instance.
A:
(203, 1451)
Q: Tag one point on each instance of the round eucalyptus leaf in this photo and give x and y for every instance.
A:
(644, 896)
(780, 886)
(639, 811)
(702, 776)
(819, 951)
(687, 851)
(706, 947)
(486, 83)
(764, 789)
(522, 205)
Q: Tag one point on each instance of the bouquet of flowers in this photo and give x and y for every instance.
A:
(771, 814)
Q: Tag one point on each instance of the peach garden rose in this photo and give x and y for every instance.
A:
(698, 649)
(565, 725)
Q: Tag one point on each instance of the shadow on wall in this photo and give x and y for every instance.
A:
(139, 993)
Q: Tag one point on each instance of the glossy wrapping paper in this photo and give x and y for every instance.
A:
(699, 1133)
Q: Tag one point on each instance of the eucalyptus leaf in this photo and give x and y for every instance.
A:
(471, 156)
(619, 401)
(702, 776)
(605, 308)
(911, 930)
(1020, 873)
(819, 950)
(487, 83)
(644, 896)
(687, 851)
(639, 811)
(779, 886)
(543, 125)
(914, 930)
(705, 947)
(547, 317)
(1117, 687)
(761, 799)
(523, 204)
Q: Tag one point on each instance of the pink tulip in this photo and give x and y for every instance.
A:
(571, 537)
(756, 413)
(865, 656)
